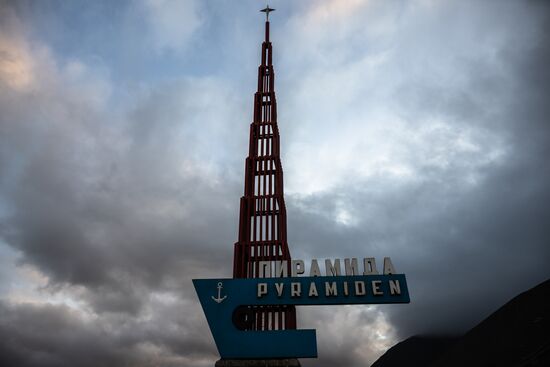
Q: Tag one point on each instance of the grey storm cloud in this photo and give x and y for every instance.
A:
(414, 131)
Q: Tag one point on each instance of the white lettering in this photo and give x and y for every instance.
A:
(332, 269)
(262, 289)
(351, 266)
(281, 269)
(314, 270)
(360, 289)
(298, 267)
(279, 287)
(376, 288)
(346, 290)
(330, 289)
(395, 288)
(265, 269)
(295, 289)
(312, 290)
(388, 266)
(370, 266)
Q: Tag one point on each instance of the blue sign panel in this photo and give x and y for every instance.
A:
(221, 297)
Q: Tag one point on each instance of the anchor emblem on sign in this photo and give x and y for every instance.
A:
(220, 298)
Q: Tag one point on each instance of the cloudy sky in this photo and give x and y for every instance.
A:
(418, 130)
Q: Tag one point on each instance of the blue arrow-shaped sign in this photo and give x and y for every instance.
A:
(221, 297)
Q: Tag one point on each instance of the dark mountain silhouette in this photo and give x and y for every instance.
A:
(516, 335)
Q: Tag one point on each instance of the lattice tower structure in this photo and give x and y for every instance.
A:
(262, 220)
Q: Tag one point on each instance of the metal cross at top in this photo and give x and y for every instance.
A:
(267, 10)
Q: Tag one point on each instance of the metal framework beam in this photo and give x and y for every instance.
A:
(262, 220)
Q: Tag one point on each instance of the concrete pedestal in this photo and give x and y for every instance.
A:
(291, 362)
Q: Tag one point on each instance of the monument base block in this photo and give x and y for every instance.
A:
(289, 362)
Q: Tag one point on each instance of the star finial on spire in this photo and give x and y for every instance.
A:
(267, 10)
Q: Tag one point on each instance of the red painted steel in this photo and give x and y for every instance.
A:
(262, 222)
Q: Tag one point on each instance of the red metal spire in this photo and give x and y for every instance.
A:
(262, 221)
